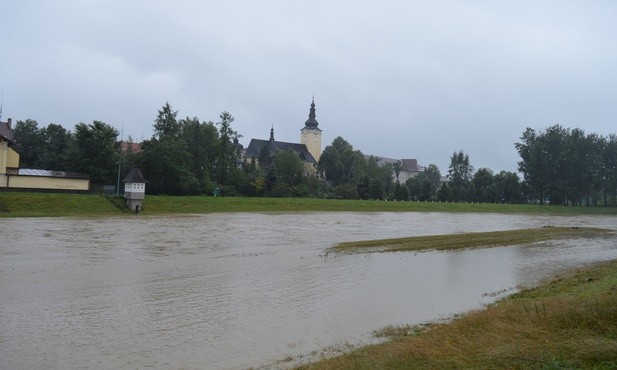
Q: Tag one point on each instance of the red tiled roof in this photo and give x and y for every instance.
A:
(127, 146)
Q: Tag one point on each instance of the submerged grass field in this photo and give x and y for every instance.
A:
(568, 323)
(470, 240)
(31, 204)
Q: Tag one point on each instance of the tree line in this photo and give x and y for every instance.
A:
(351, 175)
(188, 157)
(567, 166)
(183, 157)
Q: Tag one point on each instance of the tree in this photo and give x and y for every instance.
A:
(58, 150)
(227, 154)
(29, 141)
(608, 171)
(401, 192)
(376, 182)
(432, 176)
(289, 167)
(265, 157)
(444, 194)
(533, 164)
(166, 165)
(484, 187)
(397, 169)
(165, 124)
(97, 151)
(562, 165)
(414, 185)
(340, 164)
(179, 158)
(201, 143)
(508, 187)
(460, 174)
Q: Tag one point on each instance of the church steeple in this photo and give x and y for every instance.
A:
(312, 122)
(310, 134)
(272, 133)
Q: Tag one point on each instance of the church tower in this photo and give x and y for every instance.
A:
(310, 135)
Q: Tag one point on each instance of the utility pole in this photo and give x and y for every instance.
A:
(119, 162)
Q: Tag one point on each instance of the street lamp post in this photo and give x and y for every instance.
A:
(118, 180)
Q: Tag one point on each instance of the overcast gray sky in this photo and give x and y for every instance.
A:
(400, 79)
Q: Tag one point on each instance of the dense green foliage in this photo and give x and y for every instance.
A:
(92, 149)
(567, 166)
(96, 151)
(482, 186)
(192, 157)
(29, 204)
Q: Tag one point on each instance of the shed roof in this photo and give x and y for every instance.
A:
(134, 175)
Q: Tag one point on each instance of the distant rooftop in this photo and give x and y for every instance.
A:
(45, 173)
(409, 165)
(6, 132)
(126, 146)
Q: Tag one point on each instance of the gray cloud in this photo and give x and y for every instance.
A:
(395, 78)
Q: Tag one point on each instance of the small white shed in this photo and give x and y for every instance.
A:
(134, 189)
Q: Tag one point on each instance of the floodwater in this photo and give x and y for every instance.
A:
(229, 291)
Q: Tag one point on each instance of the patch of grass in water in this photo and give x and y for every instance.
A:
(471, 240)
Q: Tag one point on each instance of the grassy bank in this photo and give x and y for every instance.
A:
(470, 240)
(18, 204)
(23, 204)
(569, 323)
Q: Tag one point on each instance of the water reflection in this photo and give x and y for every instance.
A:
(239, 290)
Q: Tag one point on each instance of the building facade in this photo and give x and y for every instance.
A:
(310, 135)
(308, 150)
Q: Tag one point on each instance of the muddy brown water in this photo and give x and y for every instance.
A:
(232, 291)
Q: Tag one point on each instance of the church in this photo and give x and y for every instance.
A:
(308, 150)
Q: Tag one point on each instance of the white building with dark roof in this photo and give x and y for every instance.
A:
(408, 167)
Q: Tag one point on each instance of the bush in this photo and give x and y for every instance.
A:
(346, 191)
(280, 190)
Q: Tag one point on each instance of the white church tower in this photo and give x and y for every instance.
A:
(310, 135)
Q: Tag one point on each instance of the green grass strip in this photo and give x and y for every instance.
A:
(33, 204)
(471, 240)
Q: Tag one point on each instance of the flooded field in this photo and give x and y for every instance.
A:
(232, 291)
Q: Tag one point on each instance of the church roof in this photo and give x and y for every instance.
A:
(256, 146)
(312, 121)
(134, 175)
